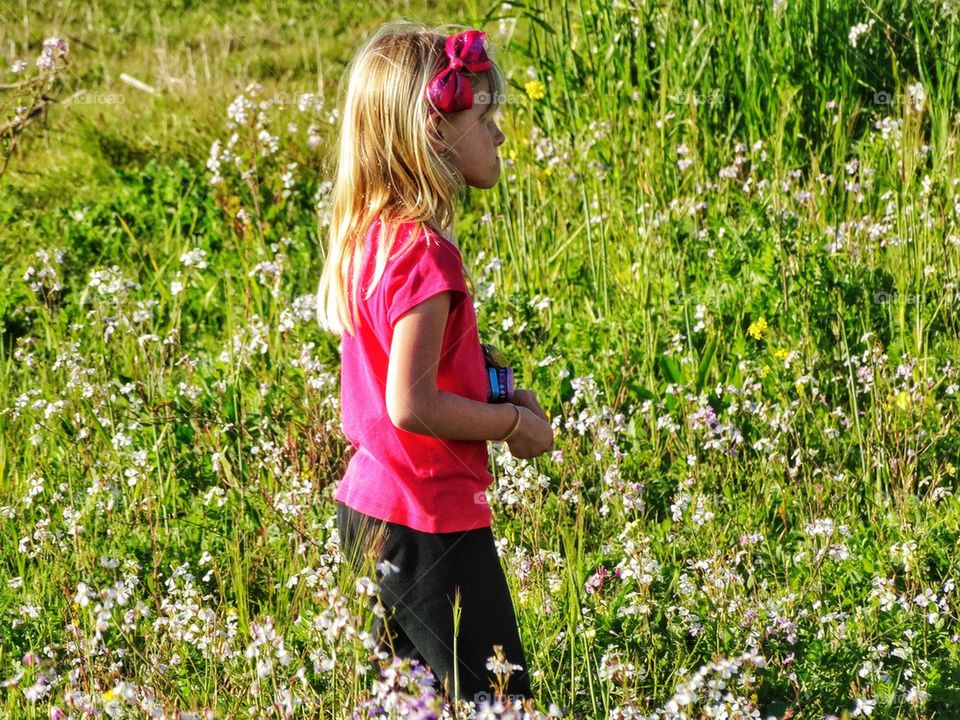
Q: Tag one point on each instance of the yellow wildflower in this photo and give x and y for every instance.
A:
(548, 171)
(781, 354)
(764, 371)
(109, 695)
(902, 400)
(535, 89)
(757, 328)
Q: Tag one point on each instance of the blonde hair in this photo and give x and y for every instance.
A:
(386, 164)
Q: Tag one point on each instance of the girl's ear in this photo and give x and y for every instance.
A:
(435, 134)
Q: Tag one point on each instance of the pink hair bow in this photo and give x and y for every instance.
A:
(449, 90)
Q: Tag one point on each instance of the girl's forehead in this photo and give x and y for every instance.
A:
(480, 81)
(483, 92)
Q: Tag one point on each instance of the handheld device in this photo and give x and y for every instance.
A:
(499, 374)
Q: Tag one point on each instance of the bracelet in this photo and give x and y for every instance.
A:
(516, 426)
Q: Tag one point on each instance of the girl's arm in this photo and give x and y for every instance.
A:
(413, 401)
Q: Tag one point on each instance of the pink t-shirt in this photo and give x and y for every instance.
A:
(426, 483)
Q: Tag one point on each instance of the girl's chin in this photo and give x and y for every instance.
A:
(485, 183)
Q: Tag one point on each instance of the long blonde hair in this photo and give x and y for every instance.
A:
(386, 164)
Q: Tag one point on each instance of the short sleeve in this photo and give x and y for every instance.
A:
(430, 266)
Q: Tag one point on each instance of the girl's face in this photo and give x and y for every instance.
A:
(473, 138)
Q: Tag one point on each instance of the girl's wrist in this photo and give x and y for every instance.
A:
(513, 428)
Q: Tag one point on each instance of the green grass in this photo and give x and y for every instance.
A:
(751, 360)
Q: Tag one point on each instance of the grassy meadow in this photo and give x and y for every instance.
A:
(723, 252)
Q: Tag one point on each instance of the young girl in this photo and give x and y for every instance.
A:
(418, 126)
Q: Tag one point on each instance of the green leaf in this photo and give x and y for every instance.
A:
(185, 433)
(230, 404)
(706, 362)
(640, 391)
(670, 369)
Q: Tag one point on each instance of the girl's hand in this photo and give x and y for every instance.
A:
(528, 399)
(534, 435)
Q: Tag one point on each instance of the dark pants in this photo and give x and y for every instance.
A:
(418, 599)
